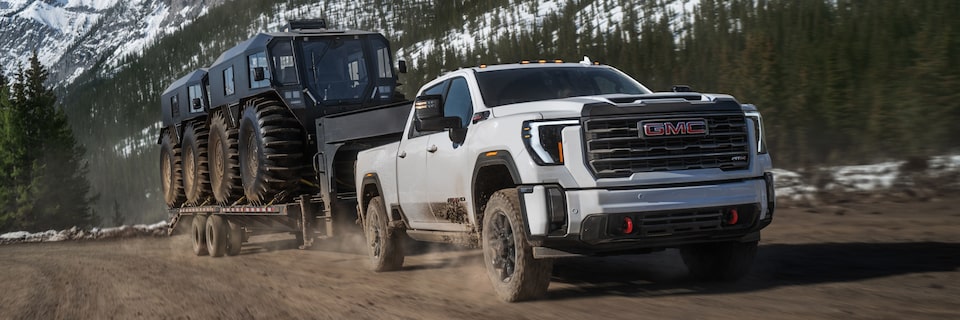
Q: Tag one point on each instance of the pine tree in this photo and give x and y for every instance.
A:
(45, 185)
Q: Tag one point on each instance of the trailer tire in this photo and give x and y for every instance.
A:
(384, 244)
(170, 171)
(234, 238)
(507, 255)
(271, 150)
(223, 161)
(196, 176)
(216, 236)
(198, 234)
(727, 261)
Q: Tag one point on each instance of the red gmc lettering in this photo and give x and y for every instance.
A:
(656, 129)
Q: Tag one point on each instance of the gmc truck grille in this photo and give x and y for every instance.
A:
(615, 148)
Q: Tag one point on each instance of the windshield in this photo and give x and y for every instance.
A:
(336, 70)
(535, 84)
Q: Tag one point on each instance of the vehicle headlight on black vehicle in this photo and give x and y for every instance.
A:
(544, 140)
(758, 131)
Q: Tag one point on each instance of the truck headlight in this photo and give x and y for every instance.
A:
(758, 131)
(543, 140)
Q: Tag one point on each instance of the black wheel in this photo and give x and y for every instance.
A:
(384, 245)
(216, 236)
(170, 172)
(199, 234)
(507, 256)
(196, 176)
(271, 143)
(727, 261)
(235, 236)
(223, 161)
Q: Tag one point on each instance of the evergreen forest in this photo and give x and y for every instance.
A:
(43, 183)
(838, 81)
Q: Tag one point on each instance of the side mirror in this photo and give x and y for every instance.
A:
(428, 114)
(196, 103)
(402, 66)
(259, 74)
(681, 88)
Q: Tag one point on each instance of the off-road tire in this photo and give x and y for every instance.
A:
(234, 238)
(726, 261)
(271, 150)
(216, 236)
(170, 172)
(384, 245)
(198, 232)
(224, 165)
(507, 255)
(196, 175)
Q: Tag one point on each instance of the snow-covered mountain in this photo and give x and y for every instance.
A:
(72, 36)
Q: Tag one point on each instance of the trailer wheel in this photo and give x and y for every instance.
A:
(234, 238)
(198, 233)
(223, 160)
(384, 245)
(196, 176)
(271, 142)
(170, 174)
(216, 236)
(727, 261)
(507, 256)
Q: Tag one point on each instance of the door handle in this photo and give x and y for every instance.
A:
(432, 149)
(403, 154)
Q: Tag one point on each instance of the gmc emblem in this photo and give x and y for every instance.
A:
(665, 128)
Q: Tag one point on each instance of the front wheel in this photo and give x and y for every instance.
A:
(507, 256)
(727, 261)
(384, 245)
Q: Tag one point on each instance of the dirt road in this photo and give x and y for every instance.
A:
(862, 260)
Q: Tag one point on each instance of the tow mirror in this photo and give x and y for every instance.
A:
(402, 66)
(259, 74)
(428, 114)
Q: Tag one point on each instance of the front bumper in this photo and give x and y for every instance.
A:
(629, 220)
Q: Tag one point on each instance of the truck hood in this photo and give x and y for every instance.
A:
(571, 107)
(549, 109)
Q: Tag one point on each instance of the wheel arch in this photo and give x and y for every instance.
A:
(370, 188)
(494, 170)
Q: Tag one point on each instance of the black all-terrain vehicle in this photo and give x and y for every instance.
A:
(265, 139)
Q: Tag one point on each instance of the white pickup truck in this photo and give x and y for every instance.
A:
(537, 161)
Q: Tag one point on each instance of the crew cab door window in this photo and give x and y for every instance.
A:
(458, 102)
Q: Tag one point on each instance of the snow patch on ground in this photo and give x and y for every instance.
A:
(158, 229)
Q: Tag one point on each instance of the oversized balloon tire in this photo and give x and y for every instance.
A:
(170, 172)
(223, 160)
(271, 151)
(196, 176)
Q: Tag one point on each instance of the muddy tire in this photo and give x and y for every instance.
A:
(216, 236)
(384, 245)
(727, 261)
(223, 158)
(196, 176)
(198, 232)
(507, 255)
(235, 236)
(170, 172)
(271, 151)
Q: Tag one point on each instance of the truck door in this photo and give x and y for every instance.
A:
(412, 179)
(451, 163)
